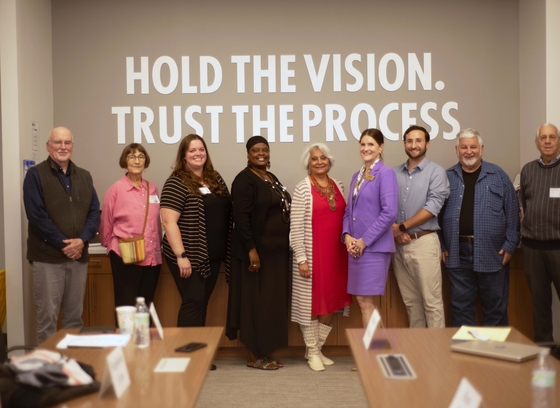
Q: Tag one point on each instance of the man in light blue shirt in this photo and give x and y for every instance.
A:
(423, 188)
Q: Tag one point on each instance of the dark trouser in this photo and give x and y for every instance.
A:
(195, 293)
(132, 281)
(466, 284)
(542, 267)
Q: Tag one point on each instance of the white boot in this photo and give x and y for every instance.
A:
(324, 331)
(310, 337)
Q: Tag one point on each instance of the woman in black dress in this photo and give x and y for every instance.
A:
(258, 302)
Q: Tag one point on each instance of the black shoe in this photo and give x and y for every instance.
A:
(213, 367)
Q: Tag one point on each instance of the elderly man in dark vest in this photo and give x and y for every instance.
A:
(63, 212)
(540, 228)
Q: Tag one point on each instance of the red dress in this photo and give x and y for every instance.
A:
(330, 259)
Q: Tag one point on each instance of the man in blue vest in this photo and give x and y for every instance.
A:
(63, 213)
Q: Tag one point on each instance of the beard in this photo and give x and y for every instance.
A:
(469, 163)
(420, 154)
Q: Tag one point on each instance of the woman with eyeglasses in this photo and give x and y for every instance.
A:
(122, 216)
(258, 299)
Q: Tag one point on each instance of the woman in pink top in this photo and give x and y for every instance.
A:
(124, 209)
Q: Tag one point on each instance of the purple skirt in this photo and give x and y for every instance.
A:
(367, 275)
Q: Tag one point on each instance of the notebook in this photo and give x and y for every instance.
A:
(498, 349)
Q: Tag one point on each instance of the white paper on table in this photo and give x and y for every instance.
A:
(94, 341)
(172, 365)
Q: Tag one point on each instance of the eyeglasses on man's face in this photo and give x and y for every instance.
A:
(544, 138)
(59, 143)
(132, 157)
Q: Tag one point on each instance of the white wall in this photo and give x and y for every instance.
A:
(26, 92)
(553, 98)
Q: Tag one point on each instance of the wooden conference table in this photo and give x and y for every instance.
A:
(149, 389)
(439, 371)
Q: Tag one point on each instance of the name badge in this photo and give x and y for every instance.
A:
(554, 192)
(154, 199)
(205, 190)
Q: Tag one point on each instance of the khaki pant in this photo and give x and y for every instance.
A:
(55, 286)
(417, 267)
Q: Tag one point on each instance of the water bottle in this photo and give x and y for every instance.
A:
(544, 381)
(141, 324)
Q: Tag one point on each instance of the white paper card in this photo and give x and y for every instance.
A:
(115, 374)
(371, 327)
(554, 192)
(466, 396)
(156, 321)
(172, 365)
(94, 340)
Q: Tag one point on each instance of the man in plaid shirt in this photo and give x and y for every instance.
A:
(479, 233)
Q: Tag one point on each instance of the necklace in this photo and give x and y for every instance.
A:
(264, 176)
(364, 175)
(328, 192)
(280, 190)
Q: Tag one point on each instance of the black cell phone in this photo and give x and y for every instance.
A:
(188, 348)
(395, 365)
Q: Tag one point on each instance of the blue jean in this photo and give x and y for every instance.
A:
(466, 284)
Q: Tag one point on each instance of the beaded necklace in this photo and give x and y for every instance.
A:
(328, 192)
(281, 192)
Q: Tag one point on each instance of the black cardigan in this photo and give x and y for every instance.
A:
(251, 199)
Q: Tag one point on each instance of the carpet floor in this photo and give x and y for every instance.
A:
(234, 384)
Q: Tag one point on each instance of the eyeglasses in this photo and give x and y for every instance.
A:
(59, 143)
(132, 157)
(552, 138)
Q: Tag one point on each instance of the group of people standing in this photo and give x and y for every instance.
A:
(415, 214)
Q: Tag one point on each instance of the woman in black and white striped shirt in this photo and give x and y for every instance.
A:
(196, 214)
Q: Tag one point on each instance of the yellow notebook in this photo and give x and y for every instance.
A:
(481, 333)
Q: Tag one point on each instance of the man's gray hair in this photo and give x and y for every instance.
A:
(467, 134)
(307, 153)
(543, 125)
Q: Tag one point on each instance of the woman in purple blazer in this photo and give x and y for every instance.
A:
(371, 210)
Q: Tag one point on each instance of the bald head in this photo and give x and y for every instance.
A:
(60, 146)
(547, 142)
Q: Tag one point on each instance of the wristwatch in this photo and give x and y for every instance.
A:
(183, 255)
(402, 228)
